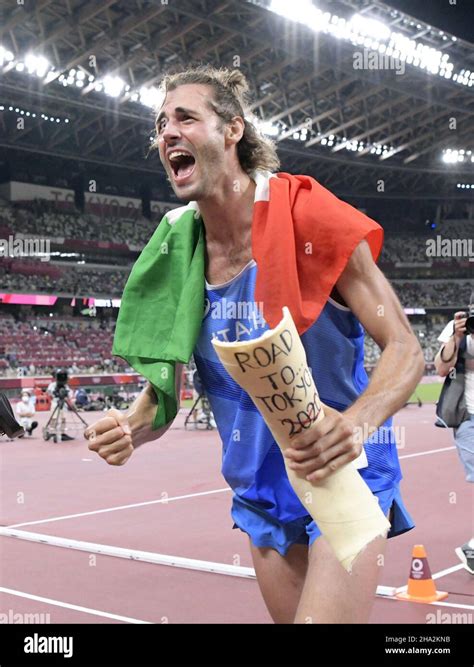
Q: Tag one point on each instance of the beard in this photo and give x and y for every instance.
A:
(209, 166)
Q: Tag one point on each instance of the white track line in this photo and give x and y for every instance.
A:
(448, 570)
(132, 554)
(150, 557)
(167, 500)
(431, 451)
(452, 604)
(436, 575)
(437, 604)
(67, 605)
(163, 501)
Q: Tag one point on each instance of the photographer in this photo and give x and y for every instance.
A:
(59, 390)
(457, 352)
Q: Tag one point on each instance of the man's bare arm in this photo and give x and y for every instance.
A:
(140, 416)
(336, 439)
(116, 436)
(373, 301)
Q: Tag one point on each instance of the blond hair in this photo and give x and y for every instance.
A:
(230, 87)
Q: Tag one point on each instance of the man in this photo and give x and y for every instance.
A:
(215, 158)
(458, 348)
(81, 398)
(66, 393)
(26, 411)
(52, 389)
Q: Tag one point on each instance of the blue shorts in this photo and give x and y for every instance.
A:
(266, 531)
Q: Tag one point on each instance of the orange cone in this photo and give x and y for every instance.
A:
(421, 587)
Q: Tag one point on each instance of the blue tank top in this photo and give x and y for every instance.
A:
(252, 463)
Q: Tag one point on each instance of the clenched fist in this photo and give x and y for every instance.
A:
(111, 438)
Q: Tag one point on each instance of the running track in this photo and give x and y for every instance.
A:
(171, 502)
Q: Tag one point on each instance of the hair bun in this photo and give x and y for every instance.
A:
(236, 81)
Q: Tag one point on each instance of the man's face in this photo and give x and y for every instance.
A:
(186, 124)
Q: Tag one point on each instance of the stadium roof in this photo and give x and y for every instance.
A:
(83, 74)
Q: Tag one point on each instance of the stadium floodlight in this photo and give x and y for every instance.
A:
(270, 130)
(371, 33)
(150, 97)
(113, 85)
(263, 126)
(50, 76)
(37, 65)
(369, 27)
(5, 56)
(453, 155)
(296, 11)
(318, 20)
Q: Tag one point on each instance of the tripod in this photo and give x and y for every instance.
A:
(206, 420)
(56, 425)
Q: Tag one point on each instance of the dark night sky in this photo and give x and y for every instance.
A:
(457, 19)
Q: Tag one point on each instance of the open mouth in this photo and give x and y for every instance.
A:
(182, 164)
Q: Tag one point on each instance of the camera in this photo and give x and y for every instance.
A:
(61, 390)
(470, 316)
(470, 319)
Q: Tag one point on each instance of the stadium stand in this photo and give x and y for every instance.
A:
(107, 248)
(40, 346)
(42, 219)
